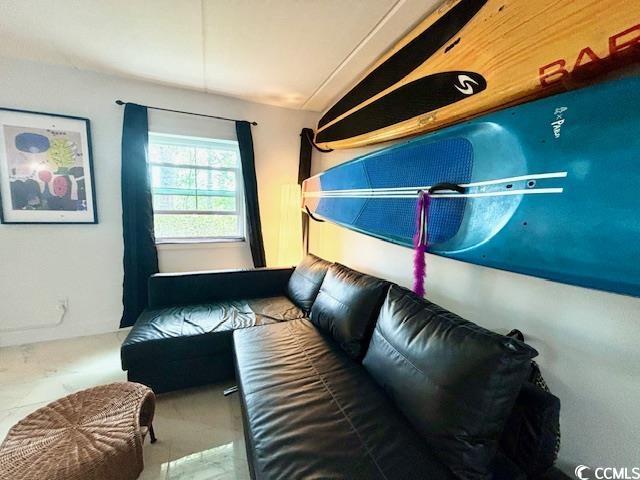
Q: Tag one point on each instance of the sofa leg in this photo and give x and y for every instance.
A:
(230, 390)
(152, 434)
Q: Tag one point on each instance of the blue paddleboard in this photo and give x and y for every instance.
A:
(551, 189)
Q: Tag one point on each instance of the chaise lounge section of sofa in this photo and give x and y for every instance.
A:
(184, 338)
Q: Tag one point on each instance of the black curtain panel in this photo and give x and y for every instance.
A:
(304, 171)
(140, 256)
(254, 229)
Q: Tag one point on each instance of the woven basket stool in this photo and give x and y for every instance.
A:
(94, 434)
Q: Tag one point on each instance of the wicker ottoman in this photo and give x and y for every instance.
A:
(95, 434)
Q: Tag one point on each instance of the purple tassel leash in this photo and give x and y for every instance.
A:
(420, 242)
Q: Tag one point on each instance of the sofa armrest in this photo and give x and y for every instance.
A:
(203, 287)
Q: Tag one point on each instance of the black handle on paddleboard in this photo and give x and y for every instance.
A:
(309, 139)
(311, 215)
(446, 186)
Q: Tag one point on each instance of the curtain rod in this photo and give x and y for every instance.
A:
(120, 102)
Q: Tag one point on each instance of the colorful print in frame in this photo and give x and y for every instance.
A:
(46, 172)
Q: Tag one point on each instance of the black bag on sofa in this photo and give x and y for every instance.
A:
(531, 438)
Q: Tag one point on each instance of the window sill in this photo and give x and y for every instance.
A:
(195, 243)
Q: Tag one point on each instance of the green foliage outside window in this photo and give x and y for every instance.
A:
(195, 186)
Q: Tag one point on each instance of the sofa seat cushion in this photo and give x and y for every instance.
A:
(279, 309)
(455, 381)
(312, 412)
(188, 331)
(347, 306)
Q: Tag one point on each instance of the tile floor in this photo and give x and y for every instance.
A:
(199, 430)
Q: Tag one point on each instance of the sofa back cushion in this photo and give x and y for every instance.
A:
(305, 281)
(347, 306)
(455, 381)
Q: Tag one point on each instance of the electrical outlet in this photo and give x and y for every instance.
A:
(63, 303)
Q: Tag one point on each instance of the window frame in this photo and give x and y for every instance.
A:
(184, 140)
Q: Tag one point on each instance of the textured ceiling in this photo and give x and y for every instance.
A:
(293, 53)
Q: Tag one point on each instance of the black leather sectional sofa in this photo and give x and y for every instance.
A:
(344, 375)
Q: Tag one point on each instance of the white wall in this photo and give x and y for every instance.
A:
(40, 264)
(588, 340)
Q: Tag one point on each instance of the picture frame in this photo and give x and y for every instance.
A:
(46, 169)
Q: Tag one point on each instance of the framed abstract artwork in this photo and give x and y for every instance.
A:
(46, 170)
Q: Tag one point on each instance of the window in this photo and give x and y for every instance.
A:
(196, 185)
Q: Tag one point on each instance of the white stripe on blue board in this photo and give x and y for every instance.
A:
(531, 191)
(538, 176)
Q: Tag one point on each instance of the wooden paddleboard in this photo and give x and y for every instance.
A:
(550, 189)
(475, 56)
